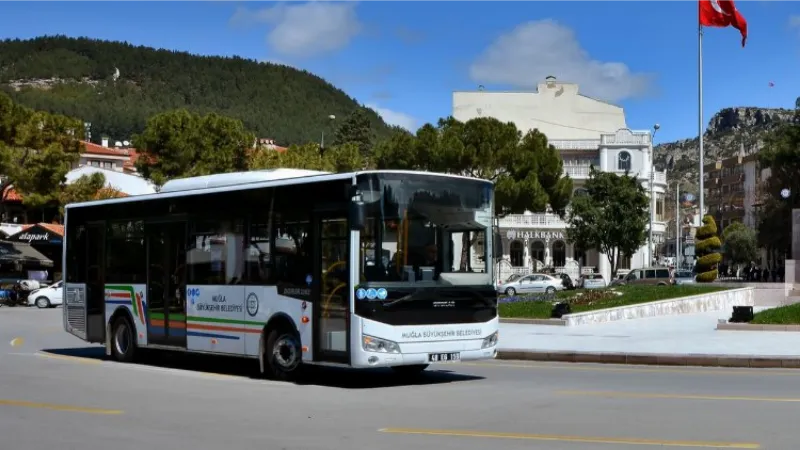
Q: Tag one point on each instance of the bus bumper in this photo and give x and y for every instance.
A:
(379, 345)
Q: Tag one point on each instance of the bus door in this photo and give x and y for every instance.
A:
(95, 281)
(331, 293)
(166, 283)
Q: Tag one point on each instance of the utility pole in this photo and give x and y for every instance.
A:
(678, 257)
(651, 249)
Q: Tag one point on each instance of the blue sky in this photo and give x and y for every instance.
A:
(405, 58)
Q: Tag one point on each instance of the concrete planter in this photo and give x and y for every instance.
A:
(713, 301)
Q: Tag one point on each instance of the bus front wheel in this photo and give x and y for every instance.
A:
(123, 343)
(282, 354)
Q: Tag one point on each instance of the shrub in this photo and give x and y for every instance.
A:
(707, 248)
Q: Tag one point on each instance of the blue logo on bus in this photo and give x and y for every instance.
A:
(372, 293)
(382, 293)
(193, 294)
(361, 293)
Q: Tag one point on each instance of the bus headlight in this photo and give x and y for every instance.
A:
(373, 344)
(491, 340)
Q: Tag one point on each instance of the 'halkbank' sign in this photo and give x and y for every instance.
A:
(529, 234)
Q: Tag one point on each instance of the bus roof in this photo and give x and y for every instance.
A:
(254, 179)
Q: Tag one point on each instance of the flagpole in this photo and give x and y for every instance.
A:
(700, 111)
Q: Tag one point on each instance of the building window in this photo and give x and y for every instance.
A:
(624, 161)
(559, 254)
(516, 254)
(537, 251)
(659, 208)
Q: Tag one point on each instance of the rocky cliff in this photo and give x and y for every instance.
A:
(729, 131)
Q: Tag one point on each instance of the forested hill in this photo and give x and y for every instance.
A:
(76, 77)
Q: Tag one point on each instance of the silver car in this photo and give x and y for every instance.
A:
(593, 281)
(684, 277)
(528, 284)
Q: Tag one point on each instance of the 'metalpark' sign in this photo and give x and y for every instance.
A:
(37, 235)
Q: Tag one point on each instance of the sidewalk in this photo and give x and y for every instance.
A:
(689, 339)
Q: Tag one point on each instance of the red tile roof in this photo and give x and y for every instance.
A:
(95, 149)
(11, 195)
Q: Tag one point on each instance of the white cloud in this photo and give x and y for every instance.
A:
(306, 29)
(533, 50)
(794, 21)
(395, 118)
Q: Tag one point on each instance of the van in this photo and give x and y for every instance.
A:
(660, 276)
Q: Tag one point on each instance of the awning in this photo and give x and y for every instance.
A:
(17, 252)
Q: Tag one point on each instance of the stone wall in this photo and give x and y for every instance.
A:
(713, 301)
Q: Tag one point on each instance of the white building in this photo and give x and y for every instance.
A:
(587, 132)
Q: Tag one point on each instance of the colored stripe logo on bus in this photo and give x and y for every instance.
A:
(212, 327)
(125, 295)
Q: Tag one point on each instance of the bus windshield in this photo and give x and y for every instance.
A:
(426, 230)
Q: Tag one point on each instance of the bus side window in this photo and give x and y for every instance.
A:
(258, 263)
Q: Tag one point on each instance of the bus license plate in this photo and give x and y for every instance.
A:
(444, 357)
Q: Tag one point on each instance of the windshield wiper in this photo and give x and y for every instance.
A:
(405, 298)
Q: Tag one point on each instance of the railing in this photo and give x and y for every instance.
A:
(576, 171)
(532, 220)
(625, 137)
(575, 144)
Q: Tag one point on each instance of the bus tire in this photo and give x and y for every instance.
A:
(283, 354)
(410, 370)
(123, 340)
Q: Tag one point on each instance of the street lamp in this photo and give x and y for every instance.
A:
(656, 127)
(331, 117)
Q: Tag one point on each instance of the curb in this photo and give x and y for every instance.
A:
(756, 327)
(556, 322)
(654, 359)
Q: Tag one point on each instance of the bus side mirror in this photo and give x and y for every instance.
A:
(358, 215)
(497, 245)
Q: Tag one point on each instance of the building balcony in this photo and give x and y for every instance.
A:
(537, 220)
(575, 144)
(626, 137)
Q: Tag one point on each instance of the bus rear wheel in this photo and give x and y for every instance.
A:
(123, 342)
(282, 354)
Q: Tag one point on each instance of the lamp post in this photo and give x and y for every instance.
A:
(652, 199)
(322, 141)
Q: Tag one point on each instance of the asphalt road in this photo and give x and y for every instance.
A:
(57, 392)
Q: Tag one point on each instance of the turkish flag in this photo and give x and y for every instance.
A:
(722, 13)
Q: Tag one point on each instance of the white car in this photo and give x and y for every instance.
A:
(48, 296)
(537, 282)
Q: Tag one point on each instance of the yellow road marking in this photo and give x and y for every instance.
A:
(677, 396)
(599, 368)
(59, 407)
(77, 359)
(564, 438)
(16, 342)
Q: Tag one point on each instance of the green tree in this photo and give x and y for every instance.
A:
(707, 250)
(87, 188)
(781, 154)
(740, 243)
(611, 217)
(340, 158)
(37, 149)
(180, 143)
(356, 129)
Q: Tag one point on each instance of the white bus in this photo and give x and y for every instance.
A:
(289, 267)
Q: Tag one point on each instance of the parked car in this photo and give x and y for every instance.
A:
(48, 296)
(537, 282)
(684, 277)
(660, 276)
(593, 281)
